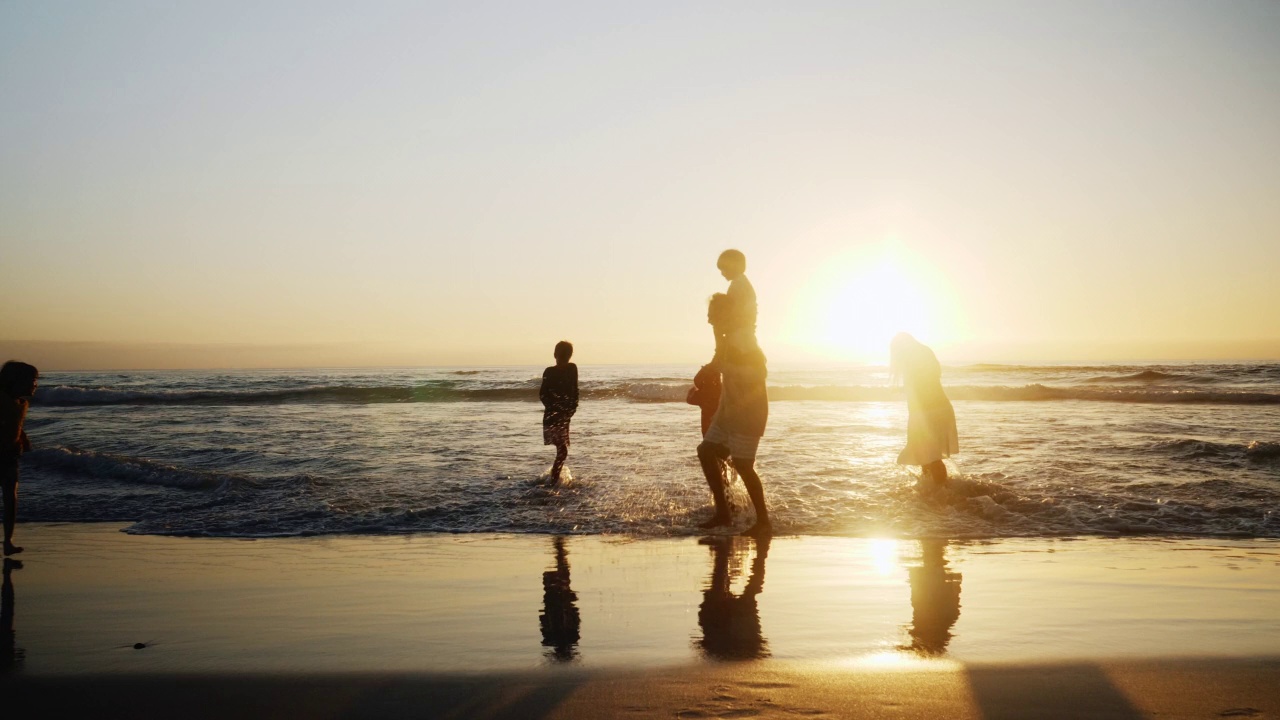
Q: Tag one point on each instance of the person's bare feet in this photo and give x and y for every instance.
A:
(761, 529)
(717, 520)
(11, 549)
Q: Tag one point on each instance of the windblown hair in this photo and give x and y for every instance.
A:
(908, 357)
(17, 375)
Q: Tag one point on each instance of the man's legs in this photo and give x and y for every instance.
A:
(710, 454)
(755, 490)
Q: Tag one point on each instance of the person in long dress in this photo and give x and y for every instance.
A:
(18, 382)
(931, 421)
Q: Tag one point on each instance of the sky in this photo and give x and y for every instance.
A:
(293, 184)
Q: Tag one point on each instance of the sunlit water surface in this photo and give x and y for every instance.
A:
(1045, 451)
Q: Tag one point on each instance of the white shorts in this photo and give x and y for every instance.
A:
(740, 445)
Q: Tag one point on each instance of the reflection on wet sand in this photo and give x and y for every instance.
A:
(11, 655)
(560, 620)
(731, 623)
(935, 600)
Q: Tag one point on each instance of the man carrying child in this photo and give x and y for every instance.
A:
(743, 412)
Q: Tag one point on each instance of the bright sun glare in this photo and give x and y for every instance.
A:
(860, 301)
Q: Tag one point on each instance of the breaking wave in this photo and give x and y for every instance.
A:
(655, 391)
(124, 469)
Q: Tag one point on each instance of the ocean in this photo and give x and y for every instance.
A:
(1045, 451)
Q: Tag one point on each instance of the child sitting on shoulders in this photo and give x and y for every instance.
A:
(742, 310)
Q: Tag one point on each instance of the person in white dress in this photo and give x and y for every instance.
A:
(931, 421)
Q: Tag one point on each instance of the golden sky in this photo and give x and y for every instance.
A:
(297, 184)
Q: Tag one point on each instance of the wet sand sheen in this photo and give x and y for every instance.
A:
(482, 603)
(516, 626)
(1116, 690)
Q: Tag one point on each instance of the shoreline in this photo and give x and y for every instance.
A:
(121, 526)
(580, 626)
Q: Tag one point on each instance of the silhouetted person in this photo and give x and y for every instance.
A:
(731, 623)
(18, 382)
(732, 264)
(10, 656)
(705, 393)
(931, 421)
(706, 390)
(559, 395)
(740, 419)
(935, 599)
(559, 620)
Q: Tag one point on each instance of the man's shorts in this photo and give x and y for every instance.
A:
(556, 434)
(740, 445)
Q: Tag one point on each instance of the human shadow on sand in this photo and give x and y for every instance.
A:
(560, 621)
(730, 623)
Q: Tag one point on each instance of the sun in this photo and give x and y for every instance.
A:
(858, 301)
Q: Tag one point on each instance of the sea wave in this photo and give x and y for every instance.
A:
(1263, 452)
(66, 395)
(1256, 452)
(649, 392)
(1151, 376)
(125, 469)
(978, 505)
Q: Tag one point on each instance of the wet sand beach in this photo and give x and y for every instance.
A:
(600, 626)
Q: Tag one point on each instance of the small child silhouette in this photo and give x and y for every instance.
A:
(559, 395)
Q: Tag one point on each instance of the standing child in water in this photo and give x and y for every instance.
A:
(559, 395)
(931, 421)
(17, 385)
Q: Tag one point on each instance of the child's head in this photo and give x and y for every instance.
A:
(718, 311)
(732, 263)
(18, 379)
(564, 351)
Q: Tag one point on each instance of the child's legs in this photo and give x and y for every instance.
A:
(562, 454)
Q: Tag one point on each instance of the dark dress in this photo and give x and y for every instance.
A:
(13, 440)
(559, 395)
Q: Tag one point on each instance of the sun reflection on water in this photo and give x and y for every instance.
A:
(897, 660)
(884, 555)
